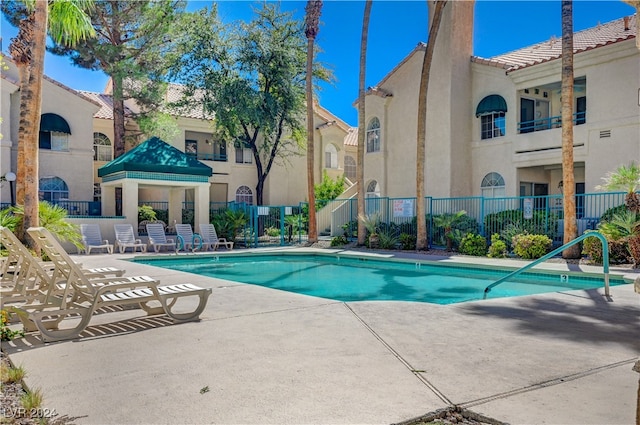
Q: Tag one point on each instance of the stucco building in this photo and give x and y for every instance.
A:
(493, 124)
(76, 139)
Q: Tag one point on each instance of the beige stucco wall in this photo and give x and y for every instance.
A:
(612, 79)
(75, 165)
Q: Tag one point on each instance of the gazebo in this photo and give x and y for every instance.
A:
(156, 164)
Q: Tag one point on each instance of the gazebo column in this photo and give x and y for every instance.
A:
(108, 200)
(201, 213)
(130, 200)
(176, 196)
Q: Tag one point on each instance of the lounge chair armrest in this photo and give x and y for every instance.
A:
(138, 241)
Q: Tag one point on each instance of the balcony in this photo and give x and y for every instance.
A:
(549, 123)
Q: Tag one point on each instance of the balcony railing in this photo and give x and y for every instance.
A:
(221, 157)
(549, 123)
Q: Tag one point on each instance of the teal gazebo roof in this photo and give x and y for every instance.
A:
(158, 157)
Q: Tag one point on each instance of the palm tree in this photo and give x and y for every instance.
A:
(568, 178)
(70, 24)
(625, 178)
(421, 242)
(361, 123)
(313, 9)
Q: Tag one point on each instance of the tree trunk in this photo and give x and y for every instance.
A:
(30, 107)
(313, 15)
(118, 116)
(362, 231)
(421, 242)
(568, 178)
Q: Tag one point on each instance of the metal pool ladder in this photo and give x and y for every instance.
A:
(605, 262)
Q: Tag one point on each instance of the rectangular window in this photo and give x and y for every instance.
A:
(45, 140)
(492, 125)
(59, 141)
(243, 155)
(581, 110)
(101, 153)
(191, 147)
(219, 151)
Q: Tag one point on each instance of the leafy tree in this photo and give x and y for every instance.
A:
(252, 77)
(313, 10)
(421, 242)
(328, 189)
(136, 44)
(68, 24)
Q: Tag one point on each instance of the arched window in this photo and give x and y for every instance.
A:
(350, 168)
(373, 189)
(330, 156)
(492, 113)
(244, 195)
(54, 133)
(492, 186)
(372, 198)
(52, 189)
(373, 136)
(102, 147)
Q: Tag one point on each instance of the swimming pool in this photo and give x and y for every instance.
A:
(353, 278)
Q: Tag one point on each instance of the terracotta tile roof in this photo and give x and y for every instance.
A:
(351, 139)
(174, 94)
(588, 39)
(105, 101)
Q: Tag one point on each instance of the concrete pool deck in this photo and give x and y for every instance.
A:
(263, 356)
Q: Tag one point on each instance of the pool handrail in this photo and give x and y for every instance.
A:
(605, 261)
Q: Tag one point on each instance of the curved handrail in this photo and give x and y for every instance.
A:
(605, 261)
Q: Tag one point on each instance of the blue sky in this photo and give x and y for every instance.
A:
(396, 27)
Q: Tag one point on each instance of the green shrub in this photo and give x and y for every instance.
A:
(7, 334)
(473, 245)
(328, 189)
(498, 248)
(339, 240)
(146, 212)
(618, 251)
(387, 240)
(531, 246)
(272, 232)
(611, 212)
(503, 222)
(407, 241)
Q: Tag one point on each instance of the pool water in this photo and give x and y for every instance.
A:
(345, 278)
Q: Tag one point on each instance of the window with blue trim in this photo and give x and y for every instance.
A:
(53, 189)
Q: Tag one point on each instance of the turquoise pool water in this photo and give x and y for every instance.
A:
(345, 278)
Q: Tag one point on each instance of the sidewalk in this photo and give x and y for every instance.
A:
(262, 356)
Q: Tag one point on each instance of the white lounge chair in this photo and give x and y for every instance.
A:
(31, 279)
(126, 239)
(190, 241)
(158, 239)
(92, 239)
(83, 296)
(210, 237)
